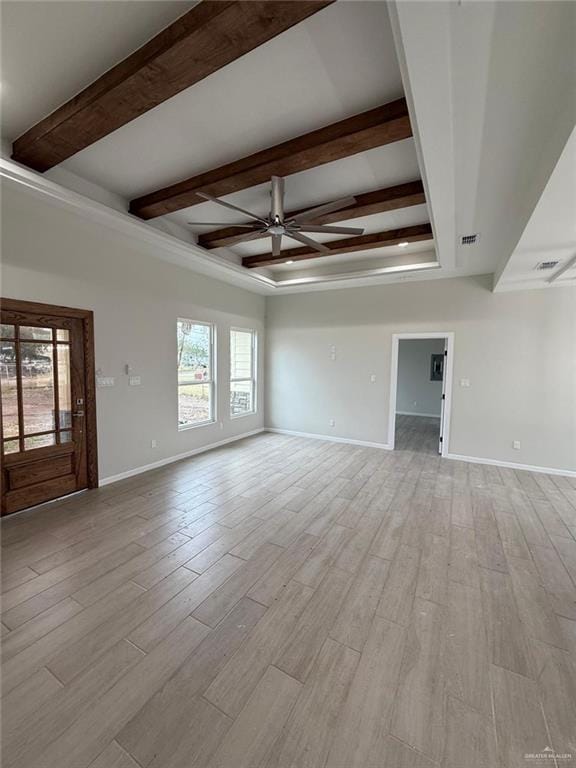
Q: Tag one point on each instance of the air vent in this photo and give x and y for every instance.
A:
(546, 265)
(469, 239)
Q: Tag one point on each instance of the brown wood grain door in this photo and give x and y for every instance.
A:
(48, 404)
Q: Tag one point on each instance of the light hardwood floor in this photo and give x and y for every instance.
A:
(417, 433)
(289, 602)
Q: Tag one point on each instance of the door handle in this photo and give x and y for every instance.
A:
(78, 413)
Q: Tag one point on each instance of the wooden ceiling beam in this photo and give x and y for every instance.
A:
(346, 245)
(211, 35)
(367, 204)
(379, 126)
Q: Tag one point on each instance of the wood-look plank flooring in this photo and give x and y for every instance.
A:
(417, 433)
(284, 602)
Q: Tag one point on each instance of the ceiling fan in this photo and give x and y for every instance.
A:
(275, 225)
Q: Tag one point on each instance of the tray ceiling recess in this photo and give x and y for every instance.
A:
(213, 37)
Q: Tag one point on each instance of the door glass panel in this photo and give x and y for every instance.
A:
(39, 441)
(11, 446)
(6, 331)
(37, 386)
(9, 389)
(62, 335)
(66, 437)
(35, 334)
(64, 386)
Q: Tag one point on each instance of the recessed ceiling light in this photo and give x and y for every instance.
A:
(403, 245)
(290, 261)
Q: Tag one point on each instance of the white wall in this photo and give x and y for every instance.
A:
(416, 394)
(52, 255)
(517, 349)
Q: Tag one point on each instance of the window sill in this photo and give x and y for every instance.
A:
(185, 427)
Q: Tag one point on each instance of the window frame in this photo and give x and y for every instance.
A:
(254, 371)
(211, 381)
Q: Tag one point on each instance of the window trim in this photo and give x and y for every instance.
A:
(211, 381)
(254, 371)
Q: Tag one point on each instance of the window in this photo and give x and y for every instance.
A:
(195, 373)
(242, 372)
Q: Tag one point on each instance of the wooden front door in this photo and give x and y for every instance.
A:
(48, 404)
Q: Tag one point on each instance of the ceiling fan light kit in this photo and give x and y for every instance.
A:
(276, 226)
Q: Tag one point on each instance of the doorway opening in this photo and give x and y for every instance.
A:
(420, 392)
(48, 415)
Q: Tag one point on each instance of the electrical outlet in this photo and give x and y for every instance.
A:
(516, 445)
(134, 381)
(332, 423)
(332, 352)
(153, 444)
(373, 378)
(464, 382)
(105, 381)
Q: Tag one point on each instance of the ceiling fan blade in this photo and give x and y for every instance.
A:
(331, 230)
(276, 245)
(307, 241)
(277, 194)
(248, 236)
(229, 205)
(219, 224)
(320, 210)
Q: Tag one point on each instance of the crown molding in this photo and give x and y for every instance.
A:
(166, 247)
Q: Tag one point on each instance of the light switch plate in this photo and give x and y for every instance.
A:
(134, 381)
(105, 381)
(464, 382)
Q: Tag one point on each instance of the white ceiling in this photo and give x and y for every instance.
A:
(550, 235)
(490, 86)
(51, 50)
(337, 63)
(514, 87)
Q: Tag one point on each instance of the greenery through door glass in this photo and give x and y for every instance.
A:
(31, 362)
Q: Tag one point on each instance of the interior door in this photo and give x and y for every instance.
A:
(43, 391)
(443, 404)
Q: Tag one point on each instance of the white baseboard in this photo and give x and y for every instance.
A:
(178, 457)
(330, 439)
(512, 465)
(456, 457)
(427, 415)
